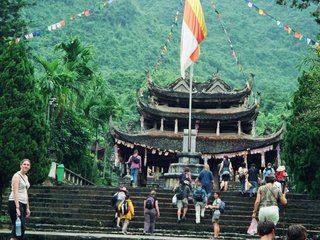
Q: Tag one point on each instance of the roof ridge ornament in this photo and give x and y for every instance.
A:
(215, 75)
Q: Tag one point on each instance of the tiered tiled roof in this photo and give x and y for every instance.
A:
(206, 144)
(154, 111)
(210, 92)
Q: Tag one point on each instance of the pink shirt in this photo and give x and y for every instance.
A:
(133, 164)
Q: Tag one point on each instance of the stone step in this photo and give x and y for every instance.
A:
(196, 234)
(103, 190)
(169, 216)
(87, 209)
(113, 235)
(235, 225)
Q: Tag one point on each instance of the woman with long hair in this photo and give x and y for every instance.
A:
(18, 199)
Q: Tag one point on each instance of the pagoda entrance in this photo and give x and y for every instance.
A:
(154, 163)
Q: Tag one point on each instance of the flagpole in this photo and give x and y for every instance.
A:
(190, 108)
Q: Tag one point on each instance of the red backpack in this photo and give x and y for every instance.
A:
(281, 175)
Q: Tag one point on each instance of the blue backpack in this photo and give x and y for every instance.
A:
(222, 206)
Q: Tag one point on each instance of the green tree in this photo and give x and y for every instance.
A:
(303, 4)
(73, 142)
(23, 132)
(76, 57)
(302, 139)
(52, 83)
(12, 25)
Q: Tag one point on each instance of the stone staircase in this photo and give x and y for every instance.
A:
(80, 210)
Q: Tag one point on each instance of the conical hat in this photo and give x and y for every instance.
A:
(281, 168)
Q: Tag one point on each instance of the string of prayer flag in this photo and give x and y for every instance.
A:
(164, 50)
(233, 52)
(60, 24)
(288, 29)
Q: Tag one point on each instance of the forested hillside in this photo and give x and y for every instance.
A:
(128, 35)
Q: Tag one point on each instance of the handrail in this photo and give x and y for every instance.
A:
(76, 178)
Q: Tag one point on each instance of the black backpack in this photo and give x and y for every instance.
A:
(150, 202)
(114, 201)
(180, 192)
(136, 160)
(123, 207)
(198, 196)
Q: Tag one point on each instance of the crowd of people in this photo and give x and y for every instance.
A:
(267, 186)
(202, 192)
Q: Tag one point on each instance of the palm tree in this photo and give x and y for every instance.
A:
(52, 83)
(76, 58)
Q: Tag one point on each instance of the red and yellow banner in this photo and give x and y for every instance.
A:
(193, 32)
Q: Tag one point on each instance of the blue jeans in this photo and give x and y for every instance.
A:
(242, 184)
(134, 175)
(253, 188)
(208, 189)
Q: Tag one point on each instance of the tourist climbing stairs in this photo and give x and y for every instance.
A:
(79, 211)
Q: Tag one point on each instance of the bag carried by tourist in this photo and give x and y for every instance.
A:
(123, 207)
(150, 202)
(252, 230)
(136, 160)
(180, 193)
(114, 201)
(198, 195)
(222, 206)
(174, 200)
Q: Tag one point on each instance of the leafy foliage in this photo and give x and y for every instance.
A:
(23, 132)
(85, 105)
(302, 139)
(12, 25)
(73, 141)
(303, 4)
(128, 37)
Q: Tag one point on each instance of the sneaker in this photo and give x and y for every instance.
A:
(124, 232)
(179, 221)
(183, 218)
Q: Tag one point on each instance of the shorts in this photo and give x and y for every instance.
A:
(182, 203)
(269, 214)
(226, 177)
(216, 216)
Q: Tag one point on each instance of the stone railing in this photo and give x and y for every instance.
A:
(75, 179)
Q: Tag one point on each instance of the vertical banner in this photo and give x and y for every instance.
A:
(193, 32)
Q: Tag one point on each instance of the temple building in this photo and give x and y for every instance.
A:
(223, 119)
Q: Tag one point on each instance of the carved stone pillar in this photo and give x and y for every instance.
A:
(205, 160)
(239, 127)
(263, 159)
(245, 158)
(142, 123)
(278, 155)
(161, 125)
(218, 128)
(145, 157)
(196, 126)
(176, 126)
(253, 132)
